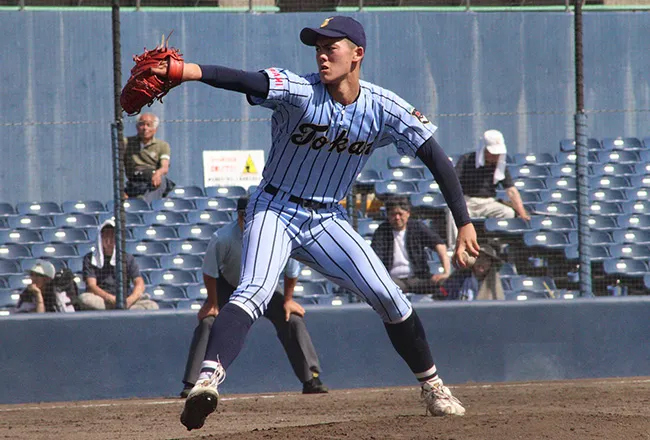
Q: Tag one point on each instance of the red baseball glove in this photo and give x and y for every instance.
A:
(144, 87)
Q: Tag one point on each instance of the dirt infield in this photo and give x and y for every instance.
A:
(586, 409)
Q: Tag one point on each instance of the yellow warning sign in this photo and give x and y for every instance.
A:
(249, 168)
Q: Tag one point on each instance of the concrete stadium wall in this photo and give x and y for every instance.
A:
(105, 355)
(466, 71)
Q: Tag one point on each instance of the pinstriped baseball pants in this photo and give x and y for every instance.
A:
(277, 229)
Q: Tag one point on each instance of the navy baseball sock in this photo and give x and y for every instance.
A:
(410, 342)
(228, 334)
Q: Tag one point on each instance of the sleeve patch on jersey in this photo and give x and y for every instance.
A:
(423, 119)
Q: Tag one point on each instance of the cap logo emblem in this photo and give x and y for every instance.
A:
(326, 22)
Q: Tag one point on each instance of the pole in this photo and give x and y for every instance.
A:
(117, 134)
(584, 241)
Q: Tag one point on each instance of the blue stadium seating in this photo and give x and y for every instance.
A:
(528, 171)
(570, 159)
(75, 264)
(187, 192)
(84, 207)
(607, 195)
(407, 174)
(619, 156)
(366, 227)
(201, 232)
(54, 250)
(548, 239)
(179, 205)
(621, 143)
(156, 248)
(525, 295)
(605, 208)
(613, 182)
(531, 184)
(630, 250)
(147, 263)
(231, 192)
(210, 217)
(601, 237)
(404, 162)
(84, 248)
(65, 235)
(428, 200)
(164, 218)
(396, 187)
(174, 277)
(20, 236)
(562, 170)
(189, 305)
(14, 251)
(559, 196)
(8, 267)
(598, 253)
(216, 203)
(369, 176)
(637, 193)
(182, 262)
(428, 186)
(603, 222)
(9, 298)
(30, 221)
(310, 288)
(625, 267)
(635, 221)
(640, 181)
(75, 220)
(516, 226)
(570, 144)
(38, 208)
(196, 247)
(552, 223)
(638, 236)
(18, 281)
(132, 205)
(6, 209)
(196, 291)
(157, 233)
(523, 283)
(309, 274)
(613, 169)
(532, 159)
(167, 293)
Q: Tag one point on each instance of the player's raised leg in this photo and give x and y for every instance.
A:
(340, 253)
(267, 245)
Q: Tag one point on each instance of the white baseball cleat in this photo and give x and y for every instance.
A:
(440, 401)
(202, 400)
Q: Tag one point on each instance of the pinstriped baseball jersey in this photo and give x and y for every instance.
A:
(319, 145)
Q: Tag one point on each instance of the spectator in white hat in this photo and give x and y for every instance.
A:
(33, 299)
(481, 172)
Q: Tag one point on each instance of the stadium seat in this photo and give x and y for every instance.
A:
(20, 236)
(605, 208)
(172, 276)
(30, 221)
(602, 222)
(515, 225)
(537, 284)
(646, 281)
(562, 170)
(619, 156)
(65, 235)
(508, 270)
(54, 250)
(132, 205)
(200, 232)
(187, 192)
(638, 236)
(179, 205)
(19, 281)
(155, 248)
(607, 195)
(157, 233)
(570, 159)
(196, 291)
(563, 183)
(38, 208)
(309, 274)
(231, 192)
(596, 253)
(310, 288)
(9, 267)
(525, 295)
(164, 218)
(407, 174)
(399, 187)
(84, 248)
(533, 159)
(528, 171)
(555, 208)
(194, 306)
(428, 186)
(251, 189)
(6, 209)
(366, 227)
(630, 250)
(14, 251)
(182, 262)
(548, 239)
(167, 293)
(196, 247)
(570, 144)
(9, 297)
(147, 263)
(625, 267)
(210, 217)
(530, 184)
(637, 193)
(601, 237)
(613, 182)
(634, 221)
(84, 207)
(613, 169)
(552, 223)
(216, 203)
(75, 264)
(622, 143)
(75, 220)
(559, 196)
(404, 162)
(369, 177)
(428, 200)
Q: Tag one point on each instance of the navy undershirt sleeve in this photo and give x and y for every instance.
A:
(251, 83)
(443, 171)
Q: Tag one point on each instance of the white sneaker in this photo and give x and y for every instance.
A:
(440, 401)
(202, 400)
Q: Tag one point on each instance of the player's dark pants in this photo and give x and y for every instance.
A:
(292, 334)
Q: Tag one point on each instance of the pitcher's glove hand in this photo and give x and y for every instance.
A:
(144, 87)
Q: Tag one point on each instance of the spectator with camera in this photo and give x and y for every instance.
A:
(146, 161)
(45, 294)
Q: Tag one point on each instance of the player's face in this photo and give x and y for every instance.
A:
(336, 58)
(397, 217)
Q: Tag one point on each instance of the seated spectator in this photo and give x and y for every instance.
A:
(481, 281)
(401, 243)
(99, 274)
(41, 295)
(481, 172)
(146, 161)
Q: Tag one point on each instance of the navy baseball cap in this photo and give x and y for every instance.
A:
(336, 27)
